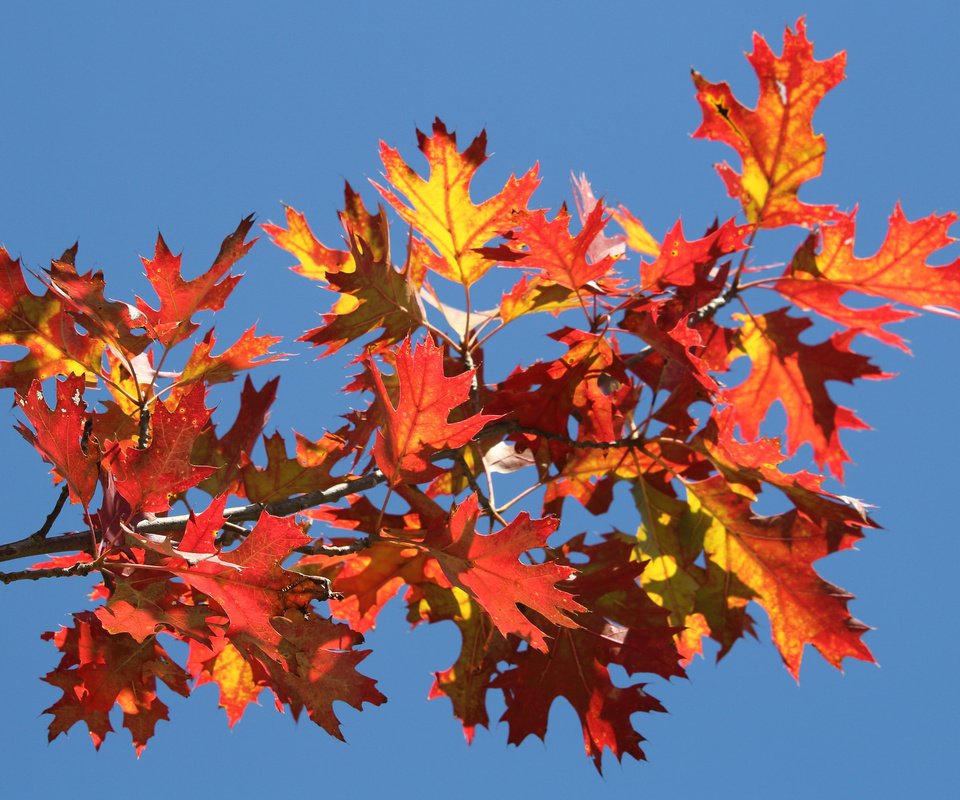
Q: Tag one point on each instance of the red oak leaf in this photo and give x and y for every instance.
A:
(898, 271)
(754, 464)
(247, 352)
(680, 344)
(776, 141)
(148, 477)
(441, 209)
(83, 295)
(417, 426)
(374, 295)
(369, 579)
(489, 569)
(773, 557)
(626, 628)
(253, 591)
(482, 649)
(149, 602)
(99, 670)
(283, 477)
(562, 258)
(221, 664)
(181, 299)
(315, 259)
(318, 262)
(43, 325)
(60, 436)
(795, 373)
(227, 452)
(692, 263)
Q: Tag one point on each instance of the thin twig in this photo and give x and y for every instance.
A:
(482, 499)
(335, 549)
(52, 516)
(83, 568)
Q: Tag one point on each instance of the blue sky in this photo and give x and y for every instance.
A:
(122, 119)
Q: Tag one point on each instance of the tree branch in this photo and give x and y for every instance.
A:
(83, 568)
(54, 513)
(33, 545)
(80, 540)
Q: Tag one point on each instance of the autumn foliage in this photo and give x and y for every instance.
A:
(449, 485)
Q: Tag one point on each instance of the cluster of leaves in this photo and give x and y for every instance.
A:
(639, 394)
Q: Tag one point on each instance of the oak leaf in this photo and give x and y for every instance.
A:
(62, 435)
(305, 660)
(148, 477)
(776, 141)
(284, 477)
(547, 246)
(773, 556)
(418, 425)
(795, 373)
(181, 299)
(228, 451)
(316, 260)
(625, 628)
(374, 295)
(488, 568)
(247, 352)
(43, 325)
(111, 320)
(467, 681)
(367, 580)
(440, 207)
(222, 664)
(99, 670)
(898, 271)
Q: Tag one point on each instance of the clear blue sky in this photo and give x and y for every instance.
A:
(122, 119)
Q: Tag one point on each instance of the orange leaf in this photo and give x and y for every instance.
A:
(465, 682)
(247, 352)
(440, 207)
(148, 477)
(795, 373)
(284, 477)
(773, 556)
(417, 426)
(373, 295)
(42, 324)
(99, 670)
(639, 238)
(489, 569)
(60, 434)
(181, 299)
(562, 258)
(690, 263)
(111, 320)
(623, 628)
(307, 661)
(316, 259)
(228, 451)
(776, 141)
(898, 271)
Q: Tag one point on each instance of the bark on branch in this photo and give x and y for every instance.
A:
(36, 545)
(81, 541)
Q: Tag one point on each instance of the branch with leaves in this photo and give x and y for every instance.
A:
(635, 395)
